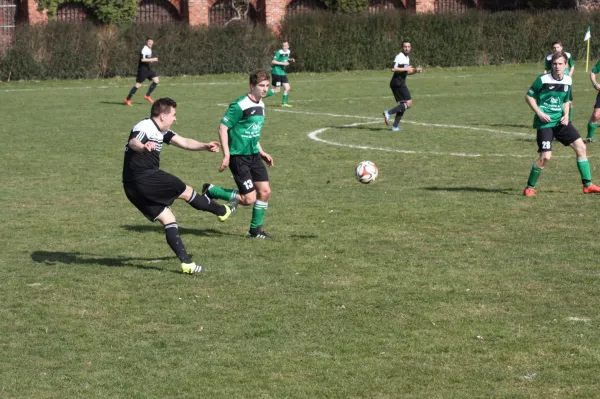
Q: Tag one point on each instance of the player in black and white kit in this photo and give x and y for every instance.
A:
(401, 69)
(144, 72)
(153, 190)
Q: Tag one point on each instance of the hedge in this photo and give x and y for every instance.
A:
(320, 42)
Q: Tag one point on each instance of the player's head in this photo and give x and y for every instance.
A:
(557, 47)
(259, 83)
(285, 45)
(406, 47)
(559, 63)
(149, 42)
(163, 112)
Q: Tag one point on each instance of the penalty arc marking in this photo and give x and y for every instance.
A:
(369, 120)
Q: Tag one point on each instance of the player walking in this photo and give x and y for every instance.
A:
(401, 69)
(239, 133)
(550, 99)
(280, 62)
(144, 72)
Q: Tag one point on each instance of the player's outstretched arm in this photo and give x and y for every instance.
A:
(194, 145)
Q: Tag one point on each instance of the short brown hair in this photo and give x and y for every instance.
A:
(259, 76)
(162, 106)
(558, 55)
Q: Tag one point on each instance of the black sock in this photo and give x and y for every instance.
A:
(201, 202)
(151, 88)
(174, 241)
(397, 118)
(131, 92)
(400, 108)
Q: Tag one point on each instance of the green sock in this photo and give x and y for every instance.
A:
(284, 99)
(258, 213)
(270, 93)
(584, 170)
(533, 176)
(591, 130)
(221, 193)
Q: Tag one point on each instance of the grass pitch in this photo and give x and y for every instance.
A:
(438, 281)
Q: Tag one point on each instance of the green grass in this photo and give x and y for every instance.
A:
(438, 281)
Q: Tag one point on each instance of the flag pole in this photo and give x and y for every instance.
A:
(588, 38)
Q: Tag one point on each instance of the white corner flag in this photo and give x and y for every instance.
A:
(588, 36)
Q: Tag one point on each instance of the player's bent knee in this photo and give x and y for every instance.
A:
(247, 199)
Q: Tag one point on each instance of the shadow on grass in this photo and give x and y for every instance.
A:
(476, 190)
(182, 230)
(364, 127)
(69, 258)
(119, 103)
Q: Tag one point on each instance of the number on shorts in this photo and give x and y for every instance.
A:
(248, 184)
(546, 145)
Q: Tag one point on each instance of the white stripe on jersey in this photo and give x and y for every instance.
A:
(548, 78)
(247, 103)
(401, 61)
(146, 52)
(147, 128)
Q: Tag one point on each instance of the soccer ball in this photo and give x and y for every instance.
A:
(366, 172)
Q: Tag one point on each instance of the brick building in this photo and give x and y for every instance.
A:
(218, 12)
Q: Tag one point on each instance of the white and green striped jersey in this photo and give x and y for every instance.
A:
(280, 56)
(551, 95)
(245, 119)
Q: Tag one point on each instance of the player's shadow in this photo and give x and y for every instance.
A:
(119, 103)
(520, 126)
(52, 258)
(182, 230)
(363, 127)
(473, 190)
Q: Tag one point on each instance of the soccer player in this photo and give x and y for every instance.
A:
(280, 62)
(153, 190)
(401, 69)
(144, 72)
(557, 47)
(550, 99)
(239, 133)
(593, 122)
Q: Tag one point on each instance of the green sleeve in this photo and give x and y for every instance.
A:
(548, 66)
(570, 62)
(232, 116)
(596, 67)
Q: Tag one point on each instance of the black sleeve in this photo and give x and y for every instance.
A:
(168, 136)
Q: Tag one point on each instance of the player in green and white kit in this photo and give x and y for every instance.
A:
(592, 123)
(280, 62)
(550, 98)
(557, 47)
(239, 133)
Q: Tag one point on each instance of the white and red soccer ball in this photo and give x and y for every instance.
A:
(366, 172)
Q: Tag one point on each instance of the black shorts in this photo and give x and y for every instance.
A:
(154, 193)
(597, 105)
(247, 169)
(279, 80)
(144, 74)
(565, 134)
(401, 93)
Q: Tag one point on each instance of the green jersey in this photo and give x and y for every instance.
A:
(280, 56)
(245, 119)
(596, 67)
(551, 95)
(569, 63)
